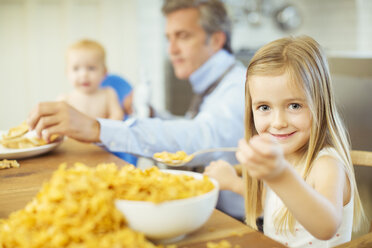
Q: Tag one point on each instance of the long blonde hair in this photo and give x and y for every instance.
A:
(304, 61)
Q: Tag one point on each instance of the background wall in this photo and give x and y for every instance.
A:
(339, 25)
(34, 35)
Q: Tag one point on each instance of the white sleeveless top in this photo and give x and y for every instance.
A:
(301, 237)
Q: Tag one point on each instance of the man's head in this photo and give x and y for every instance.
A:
(195, 29)
(86, 65)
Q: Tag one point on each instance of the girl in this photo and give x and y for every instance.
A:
(296, 163)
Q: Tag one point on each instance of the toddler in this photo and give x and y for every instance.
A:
(86, 70)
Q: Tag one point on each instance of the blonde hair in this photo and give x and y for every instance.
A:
(304, 61)
(91, 46)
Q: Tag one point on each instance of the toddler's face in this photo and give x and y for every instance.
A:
(281, 110)
(85, 70)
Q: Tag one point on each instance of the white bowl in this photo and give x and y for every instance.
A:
(172, 220)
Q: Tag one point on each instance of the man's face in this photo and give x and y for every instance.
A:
(188, 46)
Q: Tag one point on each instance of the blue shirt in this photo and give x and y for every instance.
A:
(219, 123)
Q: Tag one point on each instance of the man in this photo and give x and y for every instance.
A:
(198, 32)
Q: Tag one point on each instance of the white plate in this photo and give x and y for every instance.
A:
(6, 153)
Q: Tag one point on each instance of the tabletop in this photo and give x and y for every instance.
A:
(19, 185)
(364, 241)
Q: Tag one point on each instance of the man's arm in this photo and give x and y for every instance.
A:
(218, 124)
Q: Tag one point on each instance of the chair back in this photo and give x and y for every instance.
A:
(361, 160)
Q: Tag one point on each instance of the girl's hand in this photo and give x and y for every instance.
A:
(262, 157)
(223, 172)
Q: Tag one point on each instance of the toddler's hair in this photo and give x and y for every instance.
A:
(89, 45)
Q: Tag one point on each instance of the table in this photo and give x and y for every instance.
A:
(19, 185)
(222, 227)
(364, 241)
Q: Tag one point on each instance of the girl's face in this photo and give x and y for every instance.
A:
(280, 109)
(85, 70)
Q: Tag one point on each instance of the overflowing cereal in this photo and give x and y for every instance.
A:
(157, 186)
(76, 207)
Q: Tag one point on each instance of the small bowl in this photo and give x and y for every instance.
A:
(170, 221)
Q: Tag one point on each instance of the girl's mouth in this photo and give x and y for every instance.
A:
(282, 136)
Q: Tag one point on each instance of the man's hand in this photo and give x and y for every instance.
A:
(50, 118)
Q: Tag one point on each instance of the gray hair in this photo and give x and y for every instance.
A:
(213, 16)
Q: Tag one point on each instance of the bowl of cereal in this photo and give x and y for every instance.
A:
(173, 204)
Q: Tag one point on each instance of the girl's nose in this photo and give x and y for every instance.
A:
(279, 120)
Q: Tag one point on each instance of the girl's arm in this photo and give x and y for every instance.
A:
(317, 207)
(115, 112)
(226, 176)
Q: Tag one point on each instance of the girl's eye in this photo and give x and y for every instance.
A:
(75, 68)
(263, 108)
(294, 106)
(91, 68)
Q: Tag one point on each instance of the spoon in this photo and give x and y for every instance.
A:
(181, 158)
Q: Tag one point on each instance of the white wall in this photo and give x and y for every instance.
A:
(339, 25)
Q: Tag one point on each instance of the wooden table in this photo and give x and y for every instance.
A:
(364, 241)
(19, 185)
(223, 227)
